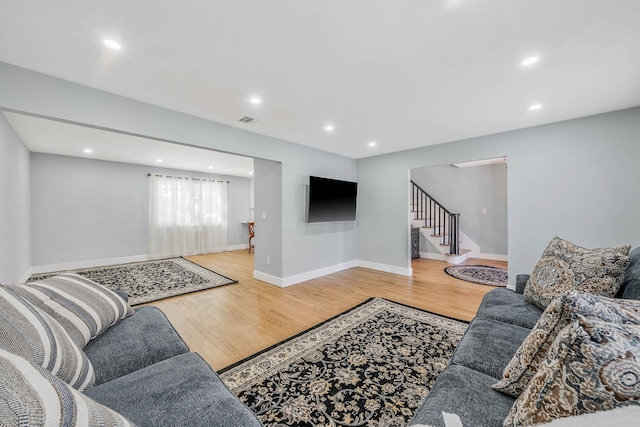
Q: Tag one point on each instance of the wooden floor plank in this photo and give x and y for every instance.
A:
(228, 323)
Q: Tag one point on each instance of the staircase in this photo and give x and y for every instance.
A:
(438, 225)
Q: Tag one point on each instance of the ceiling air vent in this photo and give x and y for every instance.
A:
(247, 119)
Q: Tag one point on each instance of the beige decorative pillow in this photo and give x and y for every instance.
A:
(30, 333)
(592, 366)
(565, 267)
(558, 314)
(31, 396)
(83, 307)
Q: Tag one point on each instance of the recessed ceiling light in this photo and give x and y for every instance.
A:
(112, 44)
(159, 160)
(531, 60)
(535, 107)
(255, 100)
(329, 128)
(372, 144)
(88, 150)
(250, 173)
(210, 167)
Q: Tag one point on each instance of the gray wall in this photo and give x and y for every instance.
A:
(86, 209)
(301, 247)
(268, 195)
(15, 207)
(467, 191)
(577, 179)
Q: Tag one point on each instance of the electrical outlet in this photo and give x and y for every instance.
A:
(268, 260)
(484, 210)
(264, 215)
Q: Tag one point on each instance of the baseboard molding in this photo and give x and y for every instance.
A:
(272, 280)
(309, 275)
(237, 247)
(385, 267)
(303, 277)
(26, 275)
(438, 257)
(493, 257)
(429, 255)
(37, 269)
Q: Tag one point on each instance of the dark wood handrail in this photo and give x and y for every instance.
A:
(444, 222)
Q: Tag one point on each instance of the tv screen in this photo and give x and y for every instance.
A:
(331, 200)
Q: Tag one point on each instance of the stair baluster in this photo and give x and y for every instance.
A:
(443, 222)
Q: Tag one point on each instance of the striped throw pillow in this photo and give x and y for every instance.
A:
(30, 395)
(83, 307)
(35, 336)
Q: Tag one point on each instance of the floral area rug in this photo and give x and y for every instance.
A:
(370, 366)
(485, 275)
(152, 280)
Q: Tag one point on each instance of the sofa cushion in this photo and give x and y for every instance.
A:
(507, 306)
(31, 396)
(488, 346)
(467, 393)
(630, 288)
(181, 391)
(592, 366)
(140, 340)
(83, 307)
(37, 337)
(565, 267)
(521, 282)
(559, 314)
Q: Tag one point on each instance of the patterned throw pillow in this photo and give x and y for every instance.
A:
(557, 315)
(565, 267)
(592, 366)
(35, 336)
(83, 307)
(31, 396)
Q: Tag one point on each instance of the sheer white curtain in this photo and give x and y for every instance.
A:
(186, 216)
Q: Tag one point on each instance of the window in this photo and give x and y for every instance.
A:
(186, 216)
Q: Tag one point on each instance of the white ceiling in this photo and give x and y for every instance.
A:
(405, 73)
(48, 136)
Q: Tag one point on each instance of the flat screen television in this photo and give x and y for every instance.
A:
(331, 200)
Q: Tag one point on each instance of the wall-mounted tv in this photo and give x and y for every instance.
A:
(331, 200)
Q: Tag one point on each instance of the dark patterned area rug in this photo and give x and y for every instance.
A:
(152, 280)
(485, 275)
(370, 366)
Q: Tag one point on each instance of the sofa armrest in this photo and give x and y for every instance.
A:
(123, 294)
(521, 282)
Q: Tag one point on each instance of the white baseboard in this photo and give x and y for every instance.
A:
(26, 275)
(438, 257)
(385, 267)
(309, 275)
(237, 247)
(302, 277)
(494, 257)
(272, 280)
(37, 269)
(429, 255)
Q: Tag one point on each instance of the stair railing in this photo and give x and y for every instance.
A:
(444, 223)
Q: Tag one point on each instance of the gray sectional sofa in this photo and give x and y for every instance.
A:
(145, 371)
(503, 321)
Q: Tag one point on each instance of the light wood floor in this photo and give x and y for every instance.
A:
(228, 323)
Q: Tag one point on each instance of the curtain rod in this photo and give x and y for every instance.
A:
(182, 177)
